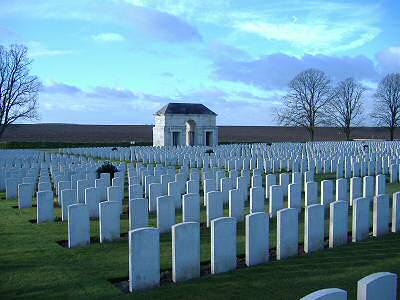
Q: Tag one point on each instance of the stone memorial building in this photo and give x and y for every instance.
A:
(180, 124)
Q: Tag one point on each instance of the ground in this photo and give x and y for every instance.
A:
(34, 265)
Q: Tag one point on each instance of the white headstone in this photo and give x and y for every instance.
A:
(165, 213)
(185, 251)
(377, 286)
(223, 245)
(215, 206)
(138, 213)
(381, 215)
(45, 206)
(191, 208)
(144, 259)
(257, 238)
(109, 221)
(338, 223)
(287, 233)
(361, 219)
(314, 223)
(78, 225)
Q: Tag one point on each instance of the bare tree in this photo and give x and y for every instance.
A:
(18, 89)
(387, 106)
(346, 106)
(306, 102)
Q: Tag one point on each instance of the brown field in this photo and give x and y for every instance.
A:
(73, 133)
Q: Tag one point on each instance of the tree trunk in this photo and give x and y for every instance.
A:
(391, 133)
(347, 132)
(2, 129)
(311, 130)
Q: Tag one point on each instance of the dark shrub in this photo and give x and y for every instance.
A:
(209, 151)
(107, 167)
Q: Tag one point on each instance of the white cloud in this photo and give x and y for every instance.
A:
(108, 37)
(37, 49)
(318, 37)
(311, 27)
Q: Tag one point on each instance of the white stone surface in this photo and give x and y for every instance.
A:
(215, 206)
(135, 191)
(78, 225)
(377, 286)
(284, 180)
(165, 213)
(276, 199)
(81, 186)
(361, 219)
(144, 259)
(287, 233)
(223, 245)
(368, 187)
(68, 197)
(327, 294)
(236, 205)
(92, 200)
(174, 192)
(311, 193)
(225, 187)
(355, 189)
(314, 228)
(109, 221)
(11, 188)
(192, 187)
(396, 212)
(257, 200)
(381, 215)
(155, 191)
(185, 251)
(45, 206)
(44, 186)
(24, 195)
(326, 192)
(380, 184)
(341, 190)
(138, 213)
(270, 179)
(338, 223)
(191, 208)
(294, 196)
(257, 238)
(200, 124)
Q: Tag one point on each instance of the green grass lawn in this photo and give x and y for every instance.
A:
(33, 265)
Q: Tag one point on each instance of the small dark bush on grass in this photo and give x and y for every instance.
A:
(209, 151)
(107, 167)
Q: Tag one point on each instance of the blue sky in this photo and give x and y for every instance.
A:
(118, 61)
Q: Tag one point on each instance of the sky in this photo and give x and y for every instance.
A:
(119, 61)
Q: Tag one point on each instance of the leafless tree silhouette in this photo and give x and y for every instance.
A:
(346, 106)
(18, 89)
(387, 106)
(306, 102)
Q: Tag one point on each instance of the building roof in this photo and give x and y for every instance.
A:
(184, 109)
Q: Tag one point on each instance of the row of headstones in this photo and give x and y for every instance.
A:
(92, 196)
(144, 244)
(376, 286)
(190, 152)
(31, 176)
(215, 200)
